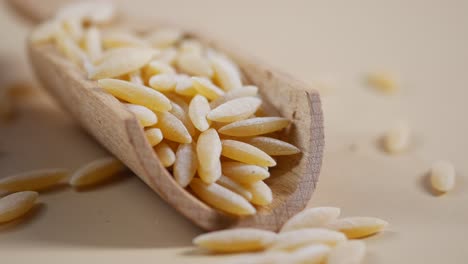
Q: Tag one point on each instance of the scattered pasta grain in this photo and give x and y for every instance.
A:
(397, 139)
(16, 205)
(254, 126)
(235, 187)
(34, 180)
(96, 172)
(145, 116)
(186, 164)
(357, 227)
(303, 237)
(246, 153)
(268, 257)
(136, 94)
(172, 128)
(198, 109)
(442, 176)
(235, 110)
(244, 173)
(312, 217)
(349, 252)
(154, 136)
(383, 82)
(121, 61)
(165, 154)
(313, 254)
(206, 88)
(221, 198)
(208, 152)
(273, 146)
(235, 240)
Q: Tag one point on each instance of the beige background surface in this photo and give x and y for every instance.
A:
(329, 43)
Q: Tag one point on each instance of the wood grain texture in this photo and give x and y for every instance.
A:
(292, 181)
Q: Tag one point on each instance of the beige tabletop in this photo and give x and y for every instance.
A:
(332, 45)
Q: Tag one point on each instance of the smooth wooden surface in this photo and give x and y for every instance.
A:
(292, 181)
(327, 43)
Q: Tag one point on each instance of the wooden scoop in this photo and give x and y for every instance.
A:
(292, 181)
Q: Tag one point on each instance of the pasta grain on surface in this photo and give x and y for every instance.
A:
(349, 252)
(221, 198)
(96, 172)
(313, 254)
(383, 82)
(312, 217)
(254, 126)
(397, 139)
(442, 176)
(246, 153)
(299, 238)
(235, 110)
(235, 240)
(34, 180)
(357, 227)
(16, 205)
